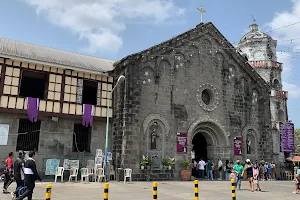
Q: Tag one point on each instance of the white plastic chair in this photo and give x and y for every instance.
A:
(91, 173)
(112, 172)
(100, 174)
(90, 164)
(97, 166)
(84, 174)
(109, 156)
(127, 174)
(59, 172)
(99, 153)
(98, 160)
(73, 174)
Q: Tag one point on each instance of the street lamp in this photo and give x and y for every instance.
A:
(120, 79)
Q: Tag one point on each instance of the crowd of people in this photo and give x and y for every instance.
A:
(23, 171)
(254, 172)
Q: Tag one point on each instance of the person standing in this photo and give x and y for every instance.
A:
(209, 170)
(31, 175)
(220, 168)
(273, 170)
(256, 177)
(248, 169)
(19, 171)
(238, 168)
(201, 168)
(8, 172)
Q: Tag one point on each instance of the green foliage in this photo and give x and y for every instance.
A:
(165, 162)
(145, 161)
(186, 164)
(171, 162)
(297, 140)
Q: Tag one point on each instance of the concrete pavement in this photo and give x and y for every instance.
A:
(171, 190)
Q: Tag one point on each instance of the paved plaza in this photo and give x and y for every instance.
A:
(171, 190)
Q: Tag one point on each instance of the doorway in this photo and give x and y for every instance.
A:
(200, 146)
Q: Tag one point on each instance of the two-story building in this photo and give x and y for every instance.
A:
(62, 83)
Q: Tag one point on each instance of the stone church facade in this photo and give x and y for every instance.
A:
(196, 83)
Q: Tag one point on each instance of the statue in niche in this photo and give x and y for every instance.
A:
(248, 146)
(154, 136)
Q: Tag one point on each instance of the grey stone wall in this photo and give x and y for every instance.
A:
(162, 88)
(56, 139)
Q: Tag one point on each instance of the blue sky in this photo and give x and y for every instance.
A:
(113, 28)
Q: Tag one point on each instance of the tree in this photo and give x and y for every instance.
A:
(297, 140)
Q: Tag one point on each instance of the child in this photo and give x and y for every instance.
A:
(233, 175)
(256, 177)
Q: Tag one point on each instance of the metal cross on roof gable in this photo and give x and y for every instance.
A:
(201, 9)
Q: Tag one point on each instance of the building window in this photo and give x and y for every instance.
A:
(89, 93)
(28, 135)
(33, 84)
(11, 81)
(54, 87)
(82, 138)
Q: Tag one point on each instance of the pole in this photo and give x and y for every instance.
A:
(154, 191)
(105, 194)
(48, 192)
(233, 187)
(196, 190)
(121, 78)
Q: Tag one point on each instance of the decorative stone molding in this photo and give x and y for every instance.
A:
(214, 97)
(219, 135)
(157, 117)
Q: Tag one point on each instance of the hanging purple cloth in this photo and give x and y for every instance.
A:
(32, 108)
(87, 118)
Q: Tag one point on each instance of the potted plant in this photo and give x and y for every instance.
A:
(185, 172)
(145, 162)
(165, 163)
(171, 162)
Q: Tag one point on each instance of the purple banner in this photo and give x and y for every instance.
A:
(237, 141)
(287, 136)
(181, 142)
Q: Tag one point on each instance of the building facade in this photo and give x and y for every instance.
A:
(196, 84)
(260, 50)
(63, 83)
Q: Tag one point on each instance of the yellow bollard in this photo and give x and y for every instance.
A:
(233, 187)
(154, 190)
(105, 195)
(48, 192)
(196, 190)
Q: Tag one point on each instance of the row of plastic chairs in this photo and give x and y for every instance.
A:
(86, 174)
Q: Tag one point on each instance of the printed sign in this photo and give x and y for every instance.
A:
(68, 164)
(287, 137)
(181, 142)
(51, 165)
(237, 141)
(4, 129)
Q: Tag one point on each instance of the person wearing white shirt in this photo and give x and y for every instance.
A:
(201, 168)
(220, 168)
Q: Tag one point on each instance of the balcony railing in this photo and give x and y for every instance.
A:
(265, 64)
(280, 94)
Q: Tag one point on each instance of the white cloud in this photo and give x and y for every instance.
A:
(101, 21)
(293, 90)
(288, 47)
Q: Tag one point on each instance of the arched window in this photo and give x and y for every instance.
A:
(276, 84)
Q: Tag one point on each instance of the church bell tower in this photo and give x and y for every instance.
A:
(259, 49)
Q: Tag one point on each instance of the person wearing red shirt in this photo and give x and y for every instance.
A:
(8, 172)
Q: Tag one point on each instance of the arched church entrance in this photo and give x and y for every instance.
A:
(199, 146)
(208, 140)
